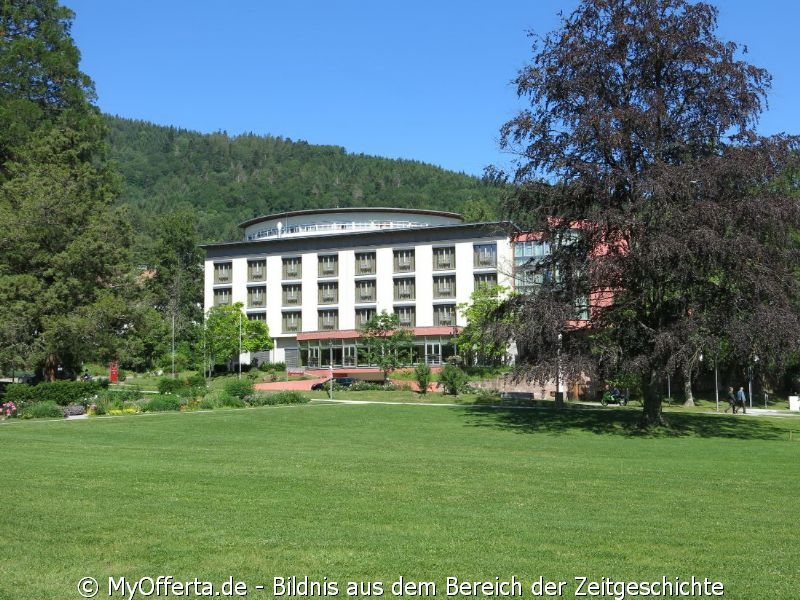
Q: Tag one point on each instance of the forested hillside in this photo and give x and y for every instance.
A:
(225, 180)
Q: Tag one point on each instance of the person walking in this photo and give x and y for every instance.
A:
(740, 400)
(731, 400)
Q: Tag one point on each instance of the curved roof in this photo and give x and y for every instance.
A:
(331, 221)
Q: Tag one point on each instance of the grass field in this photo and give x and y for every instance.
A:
(377, 492)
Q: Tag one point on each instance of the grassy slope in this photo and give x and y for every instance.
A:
(376, 492)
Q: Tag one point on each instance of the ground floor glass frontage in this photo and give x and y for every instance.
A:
(433, 350)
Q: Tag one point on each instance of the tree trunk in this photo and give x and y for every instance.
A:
(50, 367)
(687, 390)
(651, 413)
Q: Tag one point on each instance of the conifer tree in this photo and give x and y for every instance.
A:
(61, 239)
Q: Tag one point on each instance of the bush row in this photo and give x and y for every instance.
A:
(61, 393)
(111, 403)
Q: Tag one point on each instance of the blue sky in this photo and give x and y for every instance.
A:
(426, 80)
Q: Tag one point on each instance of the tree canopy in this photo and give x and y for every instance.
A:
(640, 166)
(63, 244)
(228, 332)
(388, 345)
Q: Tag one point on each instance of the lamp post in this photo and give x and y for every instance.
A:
(559, 397)
(173, 344)
(750, 382)
(330, 369)
(669, 388)
(240, 344)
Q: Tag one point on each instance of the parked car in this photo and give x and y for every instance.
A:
(337, 381)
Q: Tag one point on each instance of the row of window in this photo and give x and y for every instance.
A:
(404, 261)
(404, 290)
(433, 350)
(444, 315)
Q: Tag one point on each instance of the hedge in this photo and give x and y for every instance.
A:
(62, 393)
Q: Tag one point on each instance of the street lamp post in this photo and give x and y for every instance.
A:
(750, 382)
(173, 344)
(330, 369)
(669, 388)
(559, 397)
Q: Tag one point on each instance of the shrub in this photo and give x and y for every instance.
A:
(47, 409)
(128, 409)
(240, 388)
(266, 367)
(8, 410)
(162, 403)
(60, 392)
(196, 380)
(287, 397)
(208, 403)
(453, 380)
(366, 386)
(186, 388)
(488, 396)
(167, 385)
(230, 401)
(74, 410)
(422, 374)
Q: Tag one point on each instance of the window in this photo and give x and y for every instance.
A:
(444, 287)
(292, 295)
(365, 290)
(582, 308)
(527, 280)
(444, 258)
(292, 268)
(444, 315)
(363, 315)
(484, 256)
(328, 293)
(222, 296)
(485, 279)
(257, 316)
(222, 272)
(328, 266)
(291, 322)
(406, 315)
(531, 248)
(404, 289)
(403, 261)
(256, 270)
(328, 319)
(365, 263)
(257, 296)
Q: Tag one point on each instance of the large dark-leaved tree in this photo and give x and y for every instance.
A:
(62, 243)
(664, 211)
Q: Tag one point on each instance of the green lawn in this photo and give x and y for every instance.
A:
(375, 492)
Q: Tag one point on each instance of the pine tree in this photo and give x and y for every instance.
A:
(61, 238)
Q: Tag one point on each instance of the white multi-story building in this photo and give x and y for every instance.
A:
(316, 276)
